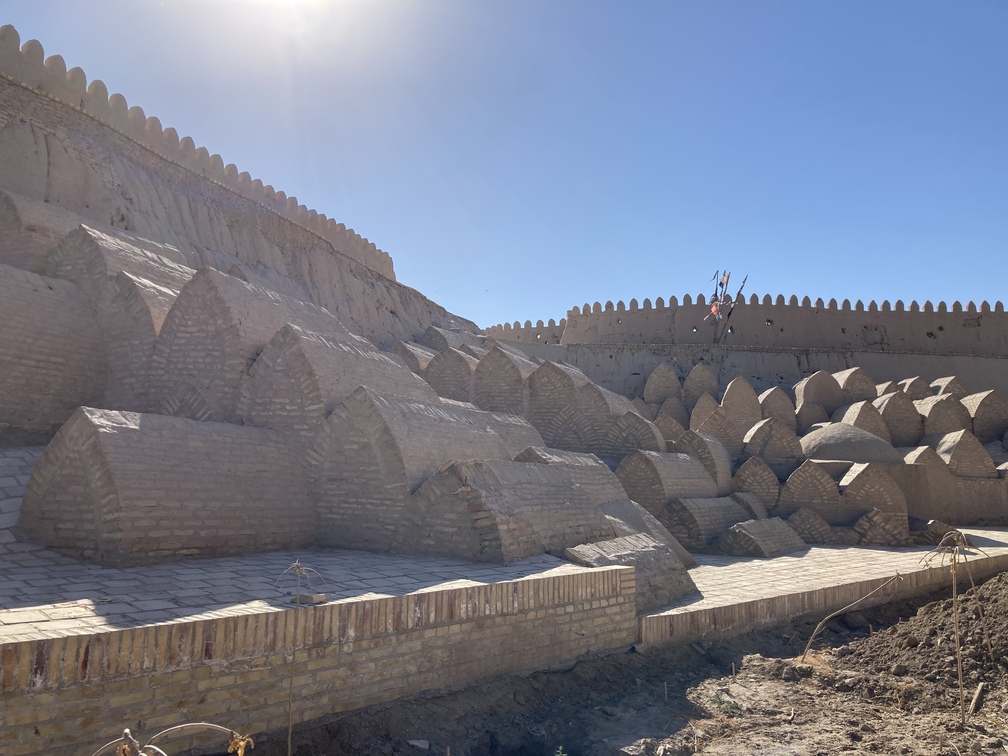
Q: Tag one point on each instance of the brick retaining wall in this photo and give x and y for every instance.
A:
(84, 689)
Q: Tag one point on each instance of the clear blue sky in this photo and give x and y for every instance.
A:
(519, 157)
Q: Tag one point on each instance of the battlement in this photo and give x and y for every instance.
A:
(27, 65)
(540, 333)
(778, 323)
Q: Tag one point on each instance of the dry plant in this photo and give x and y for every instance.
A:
(847, 608)
(301, 573)
(127, 745)
(952, 550)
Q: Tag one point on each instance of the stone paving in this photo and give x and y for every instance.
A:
(739, 594)
(44, 594)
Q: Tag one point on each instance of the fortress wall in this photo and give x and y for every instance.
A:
(540, 333)
(100, 160)
(52, 356)
(974, 329)
(58, 693)
(27, 65)
(124, 488)
(624, 368)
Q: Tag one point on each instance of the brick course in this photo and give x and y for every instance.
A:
(236, 670)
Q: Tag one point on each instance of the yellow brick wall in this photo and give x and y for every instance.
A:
(79, 692)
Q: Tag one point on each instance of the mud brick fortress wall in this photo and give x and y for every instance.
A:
(957, 329)
(29, 66)
(342, 656)
(71, 152)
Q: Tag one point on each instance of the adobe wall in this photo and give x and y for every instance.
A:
(885, 327)
(28, 65)
(59, 693)
(72, 146)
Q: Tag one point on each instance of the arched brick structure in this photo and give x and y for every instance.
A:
(125, 488)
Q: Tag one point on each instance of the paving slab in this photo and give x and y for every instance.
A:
(741, 594)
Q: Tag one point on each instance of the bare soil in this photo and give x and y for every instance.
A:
(883, 680)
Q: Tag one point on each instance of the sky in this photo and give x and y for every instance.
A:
(520, 157)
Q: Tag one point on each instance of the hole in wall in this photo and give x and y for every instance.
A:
(769, 322)
(941, 328)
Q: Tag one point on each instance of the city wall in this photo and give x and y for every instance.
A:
(28, 65)
(237, 669)
(775, 323)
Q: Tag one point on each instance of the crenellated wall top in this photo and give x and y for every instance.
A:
(27, 65)
(781, 322)
(779, 301)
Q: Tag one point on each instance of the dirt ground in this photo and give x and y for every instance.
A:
(882, 680)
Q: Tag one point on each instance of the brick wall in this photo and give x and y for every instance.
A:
(51, 353)
(301, 376)
(500, 511)
(125, 488)
(80, 691)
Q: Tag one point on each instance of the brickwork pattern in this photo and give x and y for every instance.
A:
(810, 486)
(697, 523)
(124, 488)
(760, 538)
(450, 374)
(301, 376)
(776, 444)
(712, 455)
(502, 511)
(52, 353)
(217, 327)
(741, 404)
(755, 477)
(989, 411)
(903, 421)
(652, 479)
(943, 414)
(660, 577)
(416, 356)
(342, 656)
(375, 450)
(16, 465)
(500, 382)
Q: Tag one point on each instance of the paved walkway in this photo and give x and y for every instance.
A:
(44, 594)
(738, 594)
